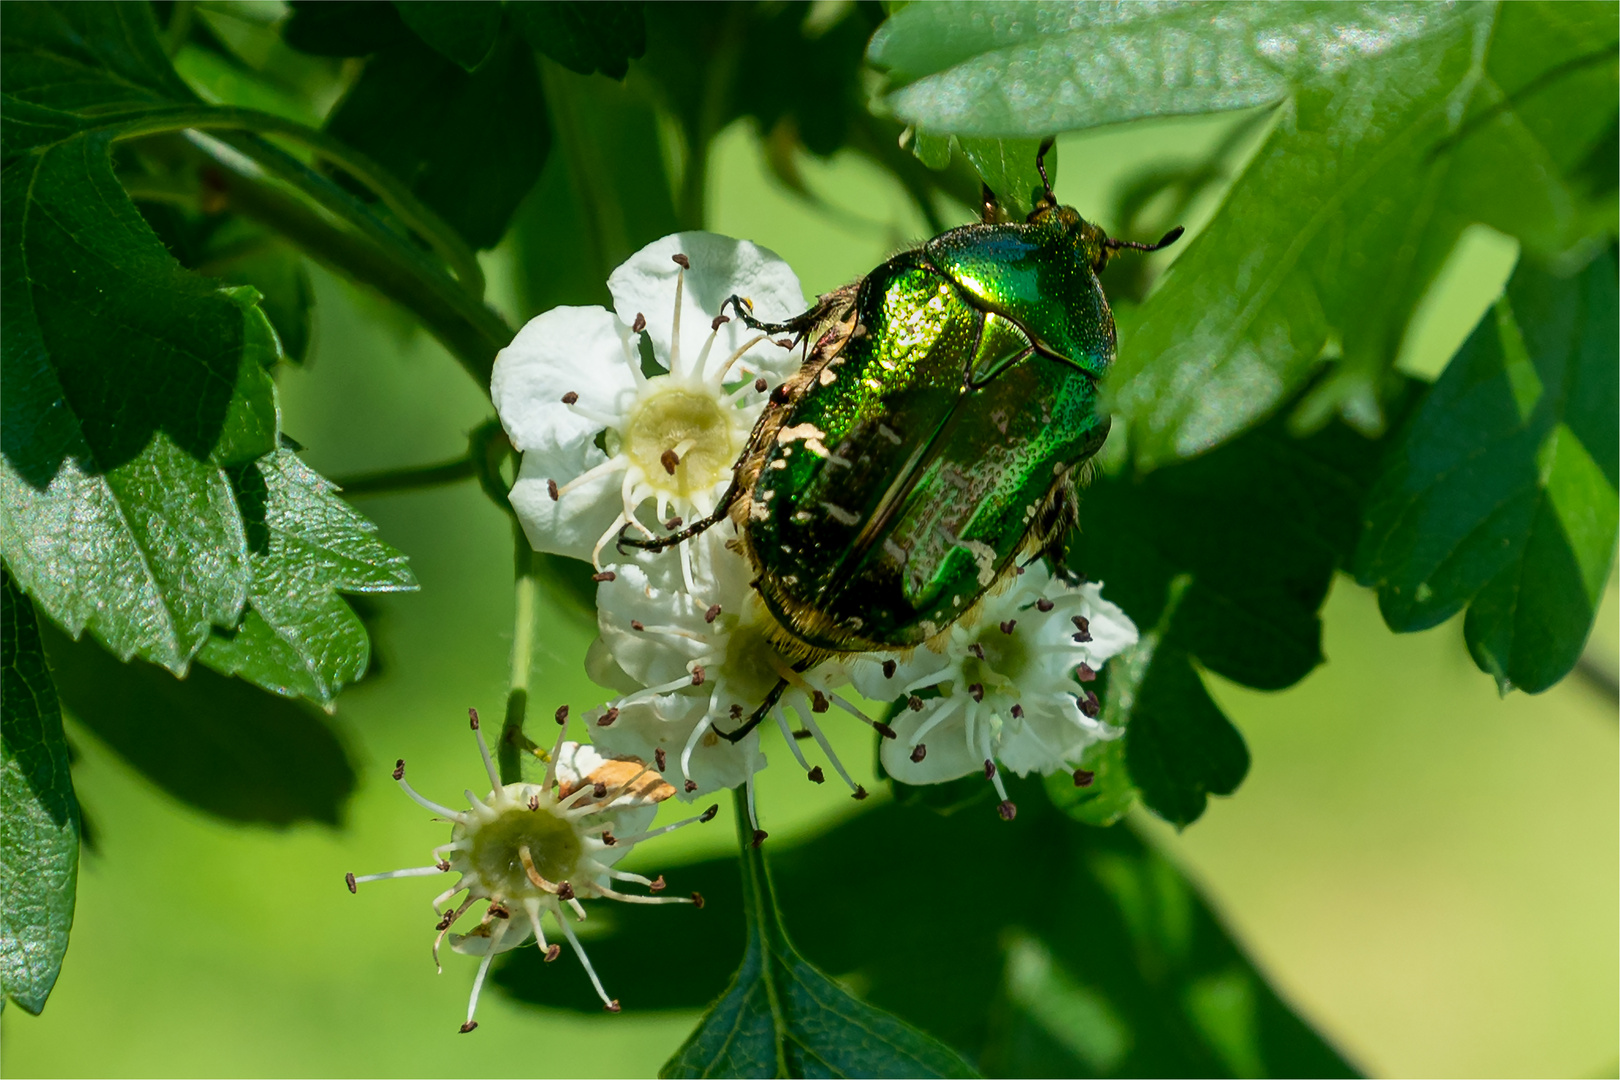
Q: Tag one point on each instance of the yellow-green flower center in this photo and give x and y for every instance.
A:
(682, 439)
(496, 853)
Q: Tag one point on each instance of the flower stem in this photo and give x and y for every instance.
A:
(764, 922)
(527, 589)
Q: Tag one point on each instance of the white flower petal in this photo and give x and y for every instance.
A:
(948, 755)
(572, 524)
(567, 349)
(666, 723)
(721, 267)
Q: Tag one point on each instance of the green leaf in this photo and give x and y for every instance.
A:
(212, 742)
(299, 637)
(343, 27)
(461, 30)
(1093, 955)
(1008, 166)
(470, 146)
(1111, 793)
(39, 816)
(1501, 494)
(604, 35)
(1034, 69)
(1333, 234)
(782, 1017)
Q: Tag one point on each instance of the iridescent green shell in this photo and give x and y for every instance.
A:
(930, 435)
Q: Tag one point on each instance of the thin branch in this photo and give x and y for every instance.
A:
(393, 481)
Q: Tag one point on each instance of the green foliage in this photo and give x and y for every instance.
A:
(1082, 952)
(463, 31)
(585, 37)
(39, 816)
(1501, 493)
(782, 1017)
(212, 742)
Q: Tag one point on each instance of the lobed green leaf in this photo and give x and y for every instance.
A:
(460, 30)
(585, 37)
(1501, 494)
(39, 815)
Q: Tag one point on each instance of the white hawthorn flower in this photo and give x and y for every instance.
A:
(600, 438)
(1011, 685)
(529, 850)
(697, 662)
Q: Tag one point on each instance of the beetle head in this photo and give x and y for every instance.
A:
(1096, 246)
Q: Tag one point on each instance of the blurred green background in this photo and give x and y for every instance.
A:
(1428, 873)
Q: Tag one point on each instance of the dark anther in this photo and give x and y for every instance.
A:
(472, 718)
(976, 691)
(561, 714)
(612, 1006)
(719, 321)
(657, 884)
(977, 650)
(707, 815)
(736, 712)
(552, 952)
(570, 397)
(674, 522)
(1017, 710)
(691, 786)
(915, 703)
(659, 759)
(443, 865)
(640, 324)
(399, 769)
(534, 802)
(1083, 778)
(609, 839)
(803, 734)
(604, 575)
(697, 899)
(759, 836)
(760, 384)
(1007, 627)
(783, 343)
(860, 793)
(1084, 673)
(348, 879)
(681, 261)
(1007, 810)
(599, 790)
(919, 752)
(468, 1026)
(635, 624)
(817, 776)
(712, 614)
(668, 459)
(888, 669)
(780, 395)
(818, 702)
(551, 489)
(444, 923)
(1044, 605)
(697, 675)
(884, 730)
(1090, 705)
(499, 911)
(1082, 624)
(565, 891)
(989, 769)
(607, 718)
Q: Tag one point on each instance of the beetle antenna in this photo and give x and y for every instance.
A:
(1040, 167)
(1164, 241)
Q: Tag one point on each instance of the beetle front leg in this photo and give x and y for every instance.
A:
(662, 543)
(756, 717)
(798, 326)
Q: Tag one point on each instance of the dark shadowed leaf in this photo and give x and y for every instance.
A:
(39, 816)
(469, 145)
(300, 637)
(604, 35)
(461, 30)
(782, 1017)
(1008, 167)
(217, 743)
(1501, 494)
(1097, 958)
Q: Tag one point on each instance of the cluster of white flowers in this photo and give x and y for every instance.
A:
(632, 419)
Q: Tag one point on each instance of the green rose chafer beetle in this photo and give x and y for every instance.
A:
(932, 437)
